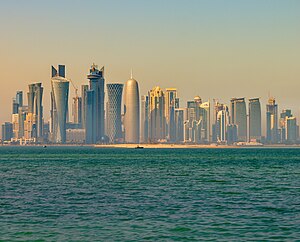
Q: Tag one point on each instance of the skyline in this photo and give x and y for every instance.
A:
(163, 119)
(245, 50)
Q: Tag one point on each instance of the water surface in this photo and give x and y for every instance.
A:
(89, 194)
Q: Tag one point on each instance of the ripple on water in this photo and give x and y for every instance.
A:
(88, 194)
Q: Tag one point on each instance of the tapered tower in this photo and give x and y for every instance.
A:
(131, 111)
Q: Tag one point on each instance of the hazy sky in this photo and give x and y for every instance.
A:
(215, 49)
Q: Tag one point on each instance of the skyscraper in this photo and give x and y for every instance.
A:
(35, 99)
(217, 107)
(239, 117)
(17, 102)
(222, 124)
(286, 113)
(272, 121)
(114, 129)
(157, 123)
(179, 125)
(19, 98)
(254, 119)
(131, 111)
(60, 95)
(144, 119)
(192, 122)
(7, 131)
(23, 111)
(171, 102)
(291, 130)
(55, 72)
(205, 117)
(198, 121)
(76, 110)
(97, 80)
(84, 89)
(90, 125)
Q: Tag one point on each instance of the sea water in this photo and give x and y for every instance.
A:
(103, 194)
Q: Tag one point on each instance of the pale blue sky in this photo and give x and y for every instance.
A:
(215, 49)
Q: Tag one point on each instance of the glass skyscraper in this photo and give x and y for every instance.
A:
(239, 117)
(97, 80)
(254, 119)
(59, 104)
(157, 121)
(113, 112)
(272, 121)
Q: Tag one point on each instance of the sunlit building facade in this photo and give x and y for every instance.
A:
(132, 111)
(144, 131)
(239, 117)
(272, 122)
(157, 123)
(171, 103)
(254, 119)
(60, 95)
(97, 81)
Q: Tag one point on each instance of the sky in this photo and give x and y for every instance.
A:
(215, 48)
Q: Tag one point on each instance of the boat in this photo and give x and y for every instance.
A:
(139, 147)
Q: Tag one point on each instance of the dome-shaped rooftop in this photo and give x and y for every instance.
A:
(197, 98)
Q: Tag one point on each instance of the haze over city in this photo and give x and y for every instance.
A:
(149, 120)
(215, 49)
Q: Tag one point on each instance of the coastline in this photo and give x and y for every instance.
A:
(191, 146)
(157, 146)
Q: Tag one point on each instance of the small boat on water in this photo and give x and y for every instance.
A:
(139, 147)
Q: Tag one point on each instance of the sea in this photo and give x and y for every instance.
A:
(115, 194)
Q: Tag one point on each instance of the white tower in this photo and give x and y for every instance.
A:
(131, 111)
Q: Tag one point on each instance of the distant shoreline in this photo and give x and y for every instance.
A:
(155, 146)
(190, 146)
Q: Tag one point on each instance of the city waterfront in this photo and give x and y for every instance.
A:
(87, 194)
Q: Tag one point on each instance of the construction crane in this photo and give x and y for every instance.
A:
(75, 87)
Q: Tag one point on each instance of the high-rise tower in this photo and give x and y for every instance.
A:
(254, 119)
(84, 89)
(239, 117)
(272, 121)
(157, 123)
(171, 103)
(131, 111)
(144, 119)
(89, 120)
(114, 129)
(60, 95)
(35, 107)
(97, 80)
(222, 124)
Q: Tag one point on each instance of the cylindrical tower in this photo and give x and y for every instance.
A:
(114, 129)
(131, 111)
(60, 90)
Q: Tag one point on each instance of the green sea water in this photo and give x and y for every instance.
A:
(94, 194)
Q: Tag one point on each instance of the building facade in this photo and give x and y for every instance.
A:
(60, 96)
(132, 111)
(254, 119)
(157, 121)
(144, 131)
(239, 117)
(272, 122)
(96, 83)
(171, 103)
(113, 112)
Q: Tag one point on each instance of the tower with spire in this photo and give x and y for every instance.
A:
(131, 111)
